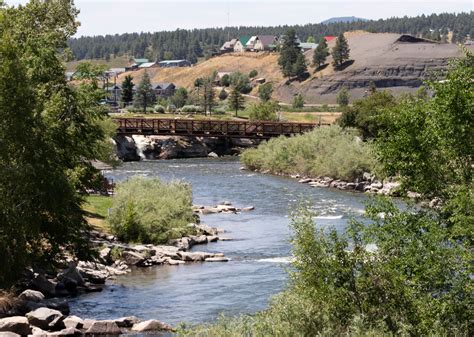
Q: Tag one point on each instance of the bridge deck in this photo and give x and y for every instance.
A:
(210, 128)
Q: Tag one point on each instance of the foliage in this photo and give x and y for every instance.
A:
(236, 100)
(90, 71)
(265, 91)
(127, 89)
(343, 97)
(311, 39)
(322, 152)
(321, 53)
(48, 130)
(159, 109)
(151, 211)
(253, 74)
(298, 102)
(291, 61)
(179, 98)
(367, 114)
(340, 52)
(208, 95)
(241, 82)
(223, 94)
(196, 43)
(145, 95)
(191, 108)
(264, 111)
(225, 80)
(429, 142)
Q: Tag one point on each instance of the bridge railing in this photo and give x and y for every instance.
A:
(210, 128)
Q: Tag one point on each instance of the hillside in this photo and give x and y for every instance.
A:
(381, 58)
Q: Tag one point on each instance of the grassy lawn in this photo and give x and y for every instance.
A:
(96, 208)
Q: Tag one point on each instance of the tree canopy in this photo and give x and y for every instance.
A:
(291, 61)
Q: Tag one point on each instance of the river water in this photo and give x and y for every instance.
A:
(259, 251)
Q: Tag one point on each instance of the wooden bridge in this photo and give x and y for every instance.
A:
(209, 128)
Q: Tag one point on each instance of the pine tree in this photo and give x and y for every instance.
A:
(127, 89)
(145, 95)
(236, 100)
(340, 52)
(292, 62)
(208, 95)
(321, 53)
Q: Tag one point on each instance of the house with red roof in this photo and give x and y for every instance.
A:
(329, 38)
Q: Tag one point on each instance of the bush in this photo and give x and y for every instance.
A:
(241, 82)
(192, 108)
(298, 102)
(325, 151)
(219, 111)
(265, 91)
(223, 94)
(140, 110)
(151, 211)
(343, 97)
(159, 109)
(264, 111)
(253, 74)
(225, 80)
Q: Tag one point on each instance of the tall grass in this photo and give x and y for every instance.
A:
(328, 151)
(151, 211)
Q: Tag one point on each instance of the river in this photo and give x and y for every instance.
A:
(259, 251)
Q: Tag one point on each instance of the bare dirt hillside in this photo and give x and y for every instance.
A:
(381, 58)
(266, 65)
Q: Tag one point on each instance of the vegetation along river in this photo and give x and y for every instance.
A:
(259, 252)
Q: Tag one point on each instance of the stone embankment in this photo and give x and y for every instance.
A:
(138, 147)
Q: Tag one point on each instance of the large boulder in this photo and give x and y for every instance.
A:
(151, 325)
(71, 273)
(15, 324)
(31, 296)
(126, 148)
(67, 332)
(133, 258)
(46, 319)
(41, 283)
(73, 322)
(9, 334)
(59, 304)
(104, 328)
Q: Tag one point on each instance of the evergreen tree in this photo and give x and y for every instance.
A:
(127, 89)
(292, 62)
(311, 39)
(236, 100)
(208, 95)
(223, 94)
(340, 52)
(321, 53)
(145, 95)
(265, 91)
(343, 97)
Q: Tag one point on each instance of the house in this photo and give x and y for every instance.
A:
(114, 92)
(265, 42)
(164, 90)
(140, 61)
(116, 71)
(241, 44)
(305, 46)
(251, 42)
(329, 38)
(228, 47)
(147, 65)
(174, 63)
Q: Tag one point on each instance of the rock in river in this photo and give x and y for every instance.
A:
(16, 324)
(46, 319)
(151, 325)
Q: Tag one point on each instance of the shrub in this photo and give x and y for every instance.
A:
(298, 102)
(159, 109)
(253, 74)
(241, 82)
(151, 211)
(192, 108)
(343, 97)
(225, 80)
(223, 94)
(265, 91)
(325, 151)
(264, 111)
(219, 111)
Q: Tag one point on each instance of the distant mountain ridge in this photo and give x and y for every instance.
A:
(344, 19)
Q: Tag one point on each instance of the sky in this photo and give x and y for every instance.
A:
(100, 17)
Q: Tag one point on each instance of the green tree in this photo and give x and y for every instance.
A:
(241, 82)
(145, 95)
(340, 52)
(236, 100)
(225, 80)
(264, 111)
(265, 91)
(343, 97)
(321, 53)
(208, 95)
(291, 61)
(40, 190)
(127, 89)
(179, 98)
(223, 94)
(253, 74)
(311, 39)
(298, 101)
(367, 114)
